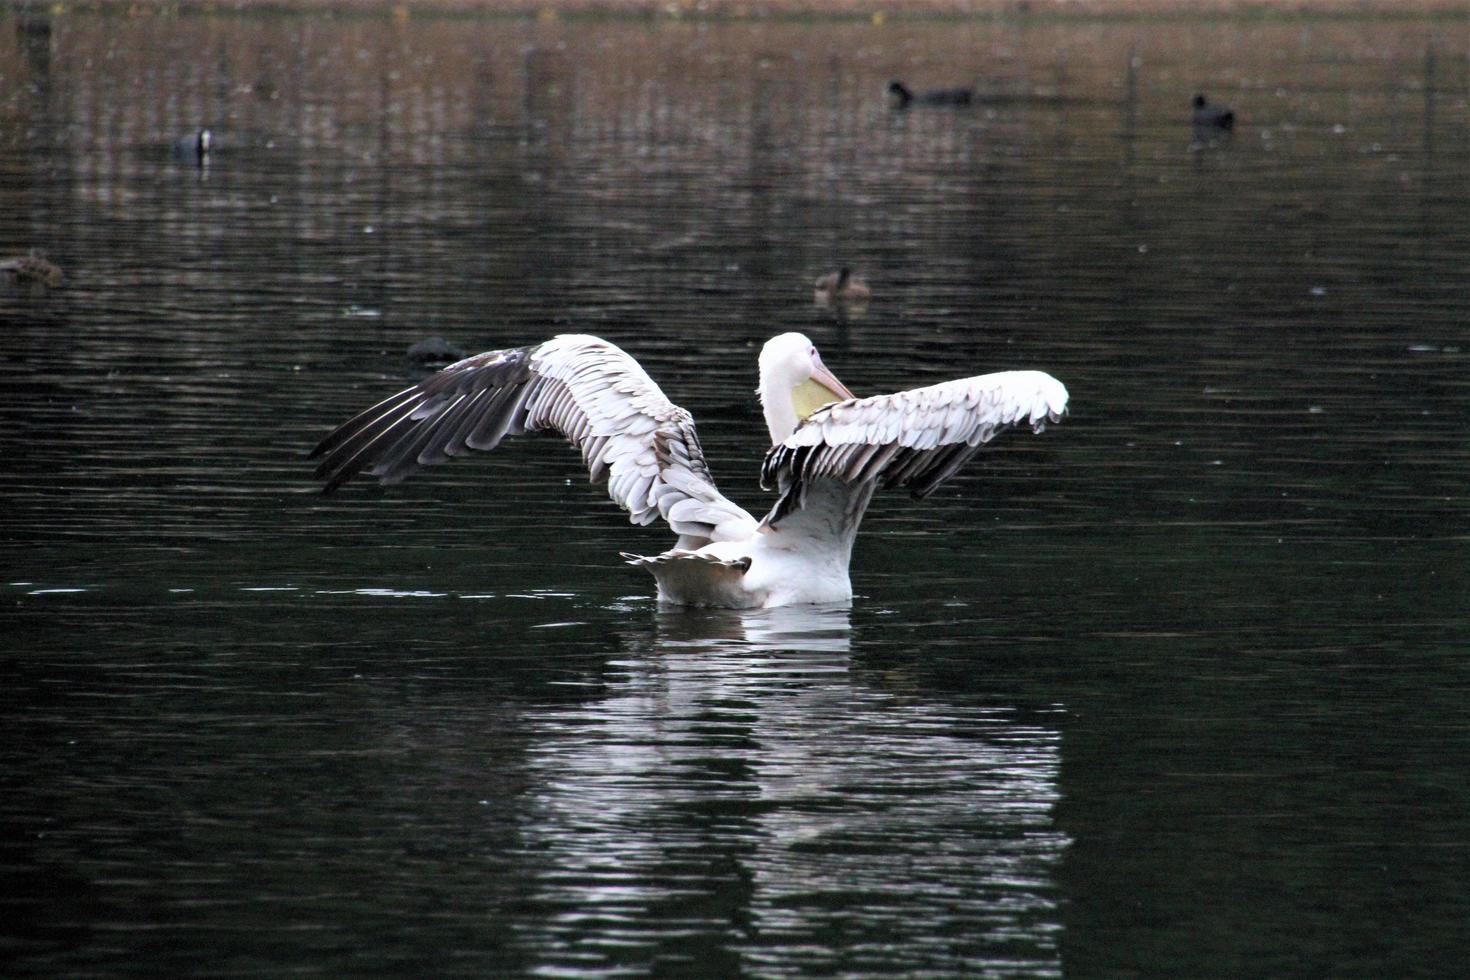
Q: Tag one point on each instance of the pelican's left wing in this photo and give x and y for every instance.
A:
(585, 388)
(915, 439)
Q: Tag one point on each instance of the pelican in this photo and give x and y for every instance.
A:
(830, 450)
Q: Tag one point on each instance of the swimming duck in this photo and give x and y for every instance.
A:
(435, 351)
(194, 147)
(902, 96)
(1212, 115)
(32, 268)
(841, 287)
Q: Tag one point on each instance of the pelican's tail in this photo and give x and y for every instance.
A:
(693, 579)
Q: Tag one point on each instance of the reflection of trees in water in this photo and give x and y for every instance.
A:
(679, 188)
(738, 796)
(593, 144)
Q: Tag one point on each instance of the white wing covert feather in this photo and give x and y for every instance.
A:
(581, 386)
(915, 439)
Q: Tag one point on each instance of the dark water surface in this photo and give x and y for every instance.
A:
(1176, 689)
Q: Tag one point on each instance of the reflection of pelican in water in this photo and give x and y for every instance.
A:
(808, 628)
(830, 451)
(717, 784)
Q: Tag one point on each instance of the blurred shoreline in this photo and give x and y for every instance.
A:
(870, 10)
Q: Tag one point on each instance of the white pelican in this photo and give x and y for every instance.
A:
(829, 451)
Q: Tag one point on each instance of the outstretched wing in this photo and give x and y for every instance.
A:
(915, 439)
(583, 387)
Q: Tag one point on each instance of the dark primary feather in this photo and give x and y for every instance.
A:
(472, 404)
(630, 435)
(789, 470)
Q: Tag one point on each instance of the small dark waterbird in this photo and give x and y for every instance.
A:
(841, 287)
(902, 96)
(435, 352)
(195, 148)
(1212, 115)
(32, 268)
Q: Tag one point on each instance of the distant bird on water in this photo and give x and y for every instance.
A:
(435, 351)
(841, 287)
(195, 148)
(829, 452)
(902, 96)
(1211, 115)
(32, 268)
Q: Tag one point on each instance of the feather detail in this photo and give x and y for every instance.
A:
(914, 439)
(588, 390)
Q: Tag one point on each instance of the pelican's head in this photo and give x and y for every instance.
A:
(794, 384)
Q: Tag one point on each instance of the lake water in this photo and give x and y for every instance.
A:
(1177, 688)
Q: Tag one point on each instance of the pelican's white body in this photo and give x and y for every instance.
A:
(804, 559)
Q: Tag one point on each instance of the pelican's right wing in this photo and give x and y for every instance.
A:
(915, 439)
(581, 386)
